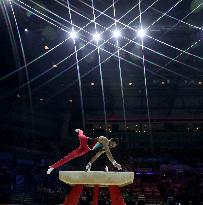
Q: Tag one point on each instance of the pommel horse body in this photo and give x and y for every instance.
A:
(96, 179)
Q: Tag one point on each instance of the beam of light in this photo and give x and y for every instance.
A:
(35, 78)
(191, 46)
(95, 67)
(166, 44)
(184, 18)
(118, 20)
(161, 54)
(142, 34)
(172, 60)
(39, 57)
(97, 36)
(34, 60)
(185, 51)
(114, 54)
(24, 61)
(53, 47)
(155, 64)
(11, 34)
(108, 16)
(153, 24)
(78, 70)
(128, 52)
(172, 27)
(138, 16)
(166, 13)
(103, 13)
(53, 19)
(158, 52)
(83, 16)
(65, 28)
(116, 35)
(179, 20)
(122, 59)
(146, 9)
(192, 67)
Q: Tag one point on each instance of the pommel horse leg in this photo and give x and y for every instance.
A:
(113, 180)
(95, 195)
(74, 196)
(116, 196)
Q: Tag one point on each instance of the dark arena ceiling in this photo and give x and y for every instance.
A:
(157, 75)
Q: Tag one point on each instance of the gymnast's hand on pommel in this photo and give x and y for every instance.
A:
(117, 165)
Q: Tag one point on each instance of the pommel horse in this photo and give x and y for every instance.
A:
(96, 179)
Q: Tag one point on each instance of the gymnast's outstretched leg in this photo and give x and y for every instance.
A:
(74, 154)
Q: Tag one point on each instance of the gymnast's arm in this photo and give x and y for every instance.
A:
(80, 134)
(96, 156)
(79, 131)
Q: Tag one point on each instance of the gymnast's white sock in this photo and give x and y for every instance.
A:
(50, 170)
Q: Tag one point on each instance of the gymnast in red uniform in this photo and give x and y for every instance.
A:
(86, 145)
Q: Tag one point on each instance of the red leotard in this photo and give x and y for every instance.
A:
(81, 150)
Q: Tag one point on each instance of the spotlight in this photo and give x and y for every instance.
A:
(73, 35)
(92, 84)
(70, 101)
(116, 33)
(96, 36)
(141, 33)
(130, 83)
(26, 29)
